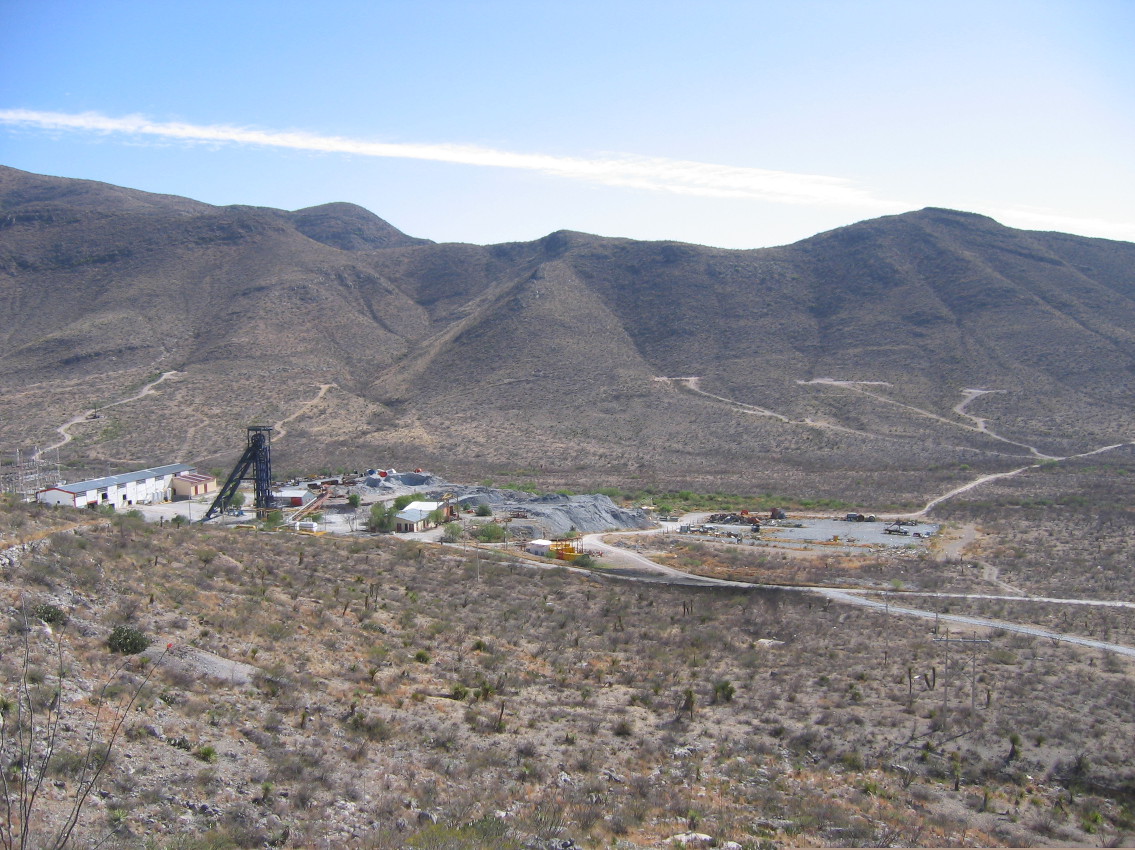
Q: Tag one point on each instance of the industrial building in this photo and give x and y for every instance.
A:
(144, 487)
(293, 497)
(188, 485)
(416, 516)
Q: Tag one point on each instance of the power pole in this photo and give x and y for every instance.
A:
(946, 641)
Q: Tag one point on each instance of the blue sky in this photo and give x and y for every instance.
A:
(737, 124)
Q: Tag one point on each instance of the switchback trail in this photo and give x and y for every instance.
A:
(65, 429)
(278, 429)
(980, 426)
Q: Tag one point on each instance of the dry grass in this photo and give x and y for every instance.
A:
(396, 679)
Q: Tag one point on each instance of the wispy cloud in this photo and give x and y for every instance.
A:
(1043, 219)
(651, 173)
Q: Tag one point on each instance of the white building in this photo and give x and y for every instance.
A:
(540, 547)
(293, 497)
(144, 487)
(416, 516)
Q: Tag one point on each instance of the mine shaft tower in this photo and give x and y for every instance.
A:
(257, 457)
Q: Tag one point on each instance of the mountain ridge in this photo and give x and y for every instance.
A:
(550, 355)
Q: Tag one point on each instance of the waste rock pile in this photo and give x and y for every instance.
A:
(531, 515)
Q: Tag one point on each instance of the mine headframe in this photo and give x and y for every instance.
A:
(257, 457)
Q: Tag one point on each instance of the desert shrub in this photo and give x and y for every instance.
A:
(374, 728)
(484, 509)
(50, 614)
(490, 532)
(723, 691)
(381, 518)
(127, 640)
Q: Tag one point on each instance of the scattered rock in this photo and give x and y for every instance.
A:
(694, 839)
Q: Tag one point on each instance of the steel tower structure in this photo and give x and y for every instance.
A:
(258, 457)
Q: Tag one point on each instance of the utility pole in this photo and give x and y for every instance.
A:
(946, 641)
(887, 632)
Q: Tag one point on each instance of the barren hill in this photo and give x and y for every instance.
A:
(835, 366)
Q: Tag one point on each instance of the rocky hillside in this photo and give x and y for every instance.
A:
(368, 692)
(828, 367)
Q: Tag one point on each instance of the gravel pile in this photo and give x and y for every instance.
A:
(550, 515)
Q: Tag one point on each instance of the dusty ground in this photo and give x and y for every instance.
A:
(392, 684)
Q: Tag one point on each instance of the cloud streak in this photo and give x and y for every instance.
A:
(682, 177)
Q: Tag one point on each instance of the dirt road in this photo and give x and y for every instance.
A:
(631, 566)
(64, 430)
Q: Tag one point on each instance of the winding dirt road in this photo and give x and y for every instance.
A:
(980, 426)
(631, 566)
(64, 430)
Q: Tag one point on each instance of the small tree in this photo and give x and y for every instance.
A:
(381, 518)
(689, 702)
(490, 532)
(354, 500)
(723, 691)
(484, 509)
(1014, 746)
(451, 533)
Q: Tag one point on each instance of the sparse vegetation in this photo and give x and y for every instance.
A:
(490, 675)
(127, 640)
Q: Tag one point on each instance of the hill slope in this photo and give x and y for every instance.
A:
(833, 366)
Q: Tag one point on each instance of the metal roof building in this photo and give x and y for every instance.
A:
(144, 486)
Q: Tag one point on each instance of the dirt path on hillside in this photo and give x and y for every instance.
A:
(952, 542)
(977, 482)
(979, 426)
(279, 431)
(64, 430)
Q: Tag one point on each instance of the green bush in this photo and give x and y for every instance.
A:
(206, 753)
(723, 691)
(50, 614)
(381, 518)
(127, 640)
(490, 532)
(484, 509)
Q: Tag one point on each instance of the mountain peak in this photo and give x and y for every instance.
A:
(350, 227)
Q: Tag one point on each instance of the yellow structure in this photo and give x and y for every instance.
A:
(564, 550)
